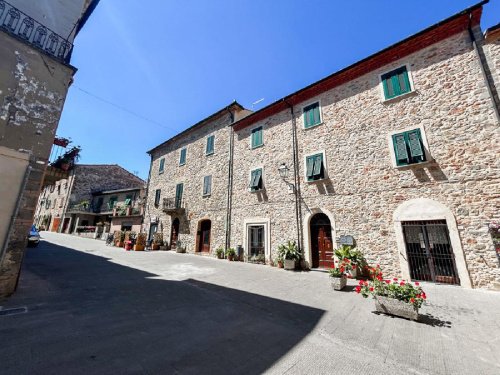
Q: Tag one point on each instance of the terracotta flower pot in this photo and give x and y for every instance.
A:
(155, 247)
(230, 258)
(138, 247)
(280, 264)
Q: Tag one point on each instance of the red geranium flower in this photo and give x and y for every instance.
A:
(417, 283)
(361, 282)
(402, 283)
(371, 289)
(395, 279)
(412, 300)
(358, 289)
(388, 281)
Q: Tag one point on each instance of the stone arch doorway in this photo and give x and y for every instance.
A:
(424, 212)
(203, 236)
(321, 241)
(174, 233)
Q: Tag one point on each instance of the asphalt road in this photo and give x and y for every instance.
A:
(84, 308)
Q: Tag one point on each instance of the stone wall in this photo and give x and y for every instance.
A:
(191, 174)
(363, 189)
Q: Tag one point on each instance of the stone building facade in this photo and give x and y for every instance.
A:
(90, 195)
(35, 74)
(397, 153)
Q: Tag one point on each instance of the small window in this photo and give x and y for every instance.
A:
(162, 166)
(58, 189)
(396, 83)
(207, 185)
(315, 168)
(112, 202)
(210, 145)
(256, 180)
(257, 139)
(47, 204)
(312, 115)
(182, 159)
(408, 147)
(128, 200)
(157, 197)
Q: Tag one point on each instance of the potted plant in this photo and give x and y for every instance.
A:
(157, 241)
(118, 238)
(140, 242)
(353, 256)
(219, 253)
(230, 253)
(290, 254)
(393, 297)
(338, 277)
(180, 248)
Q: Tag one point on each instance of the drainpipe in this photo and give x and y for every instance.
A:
(296, 176)
(229, 181)
(484, 67)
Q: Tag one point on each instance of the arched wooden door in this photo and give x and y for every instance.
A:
(204, 236)
(174, 233)
(321, 242)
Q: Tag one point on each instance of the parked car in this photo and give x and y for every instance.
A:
(34, 237)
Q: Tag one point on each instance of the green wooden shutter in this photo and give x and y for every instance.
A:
(210, 145)
(318, 166)
(396, 82)
(311, 115)
(309, 166)
(207, 185)
(416, 147)
(400, 149)
(182, 159)
(162, 165)
(404, 81)
(257, 137)
(178, 195)
(157, 197)
(256, 180)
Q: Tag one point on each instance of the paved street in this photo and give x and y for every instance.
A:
(93, 309)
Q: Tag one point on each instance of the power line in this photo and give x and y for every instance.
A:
(124, 109)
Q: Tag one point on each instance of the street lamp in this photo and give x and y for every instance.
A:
(283, 171)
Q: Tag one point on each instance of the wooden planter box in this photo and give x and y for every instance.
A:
(395, 307)
(289, 264)
(155, 247)
(138, 247)
(339, 283)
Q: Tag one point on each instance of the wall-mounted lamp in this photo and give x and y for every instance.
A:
(283, 171)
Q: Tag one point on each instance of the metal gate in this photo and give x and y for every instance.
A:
(430, 255)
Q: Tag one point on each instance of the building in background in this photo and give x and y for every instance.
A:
(92, 195)
(36, 42)
(397, 153)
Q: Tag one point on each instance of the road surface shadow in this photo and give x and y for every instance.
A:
(89, 315)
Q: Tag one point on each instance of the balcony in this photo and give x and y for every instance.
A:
(53, 174)
(173, 206)
(25, 28)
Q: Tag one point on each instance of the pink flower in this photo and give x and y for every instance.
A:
(417, 283)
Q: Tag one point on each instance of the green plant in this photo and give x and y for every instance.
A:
(289, 251)
(219, 253)
(355, 257)
(158, 238)
(141, 239)
(336, 272)
(230, 252)
(400, 290)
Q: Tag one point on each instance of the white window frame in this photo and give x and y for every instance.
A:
(410, 78)
(392, 155)
(247, 223)
(321, 122)
(325, 177)
(250, 179)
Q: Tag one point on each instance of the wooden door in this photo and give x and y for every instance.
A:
(321, 242)
(204, 239)
(55, 224)
(174, 234)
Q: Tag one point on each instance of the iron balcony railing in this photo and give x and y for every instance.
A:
(22, 26)
(173, 204)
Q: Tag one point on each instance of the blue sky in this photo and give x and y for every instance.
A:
(175, 62)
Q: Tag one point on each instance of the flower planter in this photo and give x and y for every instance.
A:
(155, 247)
(180, 250)
(230, 258)
(396, 307)
(289, 264)
(339, 283)
(280, 264)
(119, 244)
(128, 245)
(138, 247)
(353, 272)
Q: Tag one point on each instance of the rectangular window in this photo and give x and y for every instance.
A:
(312, 115)
(408, 147)
(157, 197)
(47, 204)
(396, 83)
(112, 202)
(315, 168)
(210, 145)
(257, 139)
(182, 159)
(256, 180)
(178, 195)
(207, 185)
(256, 246)
(128, 200)
(162, 166)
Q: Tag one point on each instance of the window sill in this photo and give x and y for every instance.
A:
(256, 191)
(421, 164)
(259, 146)
(315, 181)
(180, 165)
(313, 126)
(209, 154)
(400, 97)
(161, 172)
(206, 195)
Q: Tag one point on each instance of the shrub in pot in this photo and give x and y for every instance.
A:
(353, 257)
(157, 241)
(290, 254)
(219, 253)
(230, 254)
(338, 277)
(393, 297)
(140, 243)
